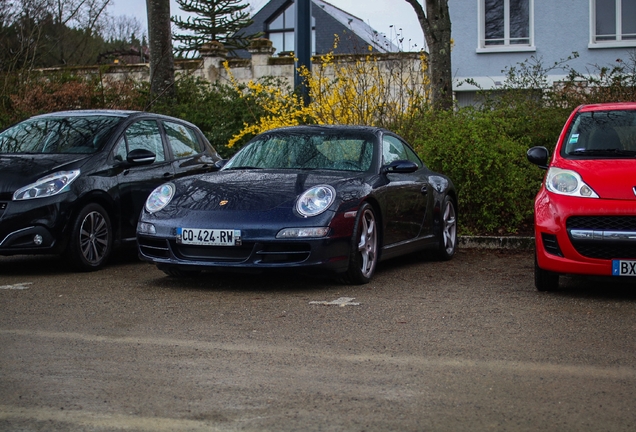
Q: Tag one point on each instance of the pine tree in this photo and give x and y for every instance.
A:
(216, 20)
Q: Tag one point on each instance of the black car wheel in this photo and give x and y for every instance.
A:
(91, 239)
(545, 280)
(448, 236)
(364, 247)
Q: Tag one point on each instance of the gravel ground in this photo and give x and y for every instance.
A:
(465, 345)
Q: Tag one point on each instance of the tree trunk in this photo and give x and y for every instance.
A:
(160, 45)
(436, 25)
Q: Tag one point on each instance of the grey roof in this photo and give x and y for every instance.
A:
(359, 27)
(355, 34)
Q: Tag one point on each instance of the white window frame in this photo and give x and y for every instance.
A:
(618, 43)
(507, 46)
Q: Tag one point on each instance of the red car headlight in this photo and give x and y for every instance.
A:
(568, 182)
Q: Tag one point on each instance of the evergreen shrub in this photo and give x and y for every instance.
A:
(496, 185)
(219, 110)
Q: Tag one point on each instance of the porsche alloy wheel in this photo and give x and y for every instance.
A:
(91, 239)
(364, 255)
(448, 237)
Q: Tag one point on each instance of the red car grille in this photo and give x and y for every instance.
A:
(599, 242)
(605, 251)
(600, 223)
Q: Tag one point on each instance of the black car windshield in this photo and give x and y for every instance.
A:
(602, 134)
(73, 134)
(332, 151)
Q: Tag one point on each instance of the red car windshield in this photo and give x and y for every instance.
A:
(602, 134)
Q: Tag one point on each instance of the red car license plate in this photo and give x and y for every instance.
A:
(623, 268)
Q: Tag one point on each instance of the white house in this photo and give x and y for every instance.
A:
(490, 35)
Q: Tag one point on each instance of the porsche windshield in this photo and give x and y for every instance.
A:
(602, 134)
(332, 151)
(73, 134)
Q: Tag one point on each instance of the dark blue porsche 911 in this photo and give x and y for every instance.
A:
(330, 198)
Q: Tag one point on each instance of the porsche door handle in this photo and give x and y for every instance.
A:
(168, 175)
(424, 189)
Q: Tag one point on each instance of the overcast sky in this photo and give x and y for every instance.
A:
(379, 14)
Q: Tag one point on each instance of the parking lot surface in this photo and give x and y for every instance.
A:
(465, 345)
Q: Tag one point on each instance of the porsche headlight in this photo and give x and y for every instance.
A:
(315, 200)
(160, 197)
(47, 186)
(568, 182)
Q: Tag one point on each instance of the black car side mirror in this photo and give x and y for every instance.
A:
(220, 163)
(400, 167)
(140, 157)
(539, 156)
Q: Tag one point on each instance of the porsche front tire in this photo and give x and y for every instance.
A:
(364, 247)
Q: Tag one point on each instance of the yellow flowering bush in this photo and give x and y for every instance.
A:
(372, 89)
(280, 106)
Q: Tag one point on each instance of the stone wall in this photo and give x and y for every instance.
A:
(262, 64)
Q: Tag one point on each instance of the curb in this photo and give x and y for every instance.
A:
(490, 242)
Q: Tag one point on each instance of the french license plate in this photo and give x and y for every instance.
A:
(623, 268)
(209, 237)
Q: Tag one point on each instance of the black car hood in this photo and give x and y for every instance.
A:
(17, 171)
(260, 190)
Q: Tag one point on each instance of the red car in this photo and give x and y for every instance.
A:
(585, 212)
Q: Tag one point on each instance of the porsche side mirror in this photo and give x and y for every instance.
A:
(539, 156)
(140, 157)
(400, 167)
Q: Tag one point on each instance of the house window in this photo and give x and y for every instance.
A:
(614, 21)
(281, 31)
(506, 24)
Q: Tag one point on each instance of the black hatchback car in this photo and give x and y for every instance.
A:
(74, 182)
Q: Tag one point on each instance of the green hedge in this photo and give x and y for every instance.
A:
(487, 163)
(219, 110)
(483, 149)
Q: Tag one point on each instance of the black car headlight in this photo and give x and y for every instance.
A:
(315, 200)
(47, 186)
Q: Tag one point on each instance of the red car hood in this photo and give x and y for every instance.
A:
(609, 178)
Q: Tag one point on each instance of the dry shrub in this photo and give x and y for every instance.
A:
(57, 93)
(43, 95)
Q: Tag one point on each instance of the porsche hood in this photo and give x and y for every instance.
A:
(254, 190)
